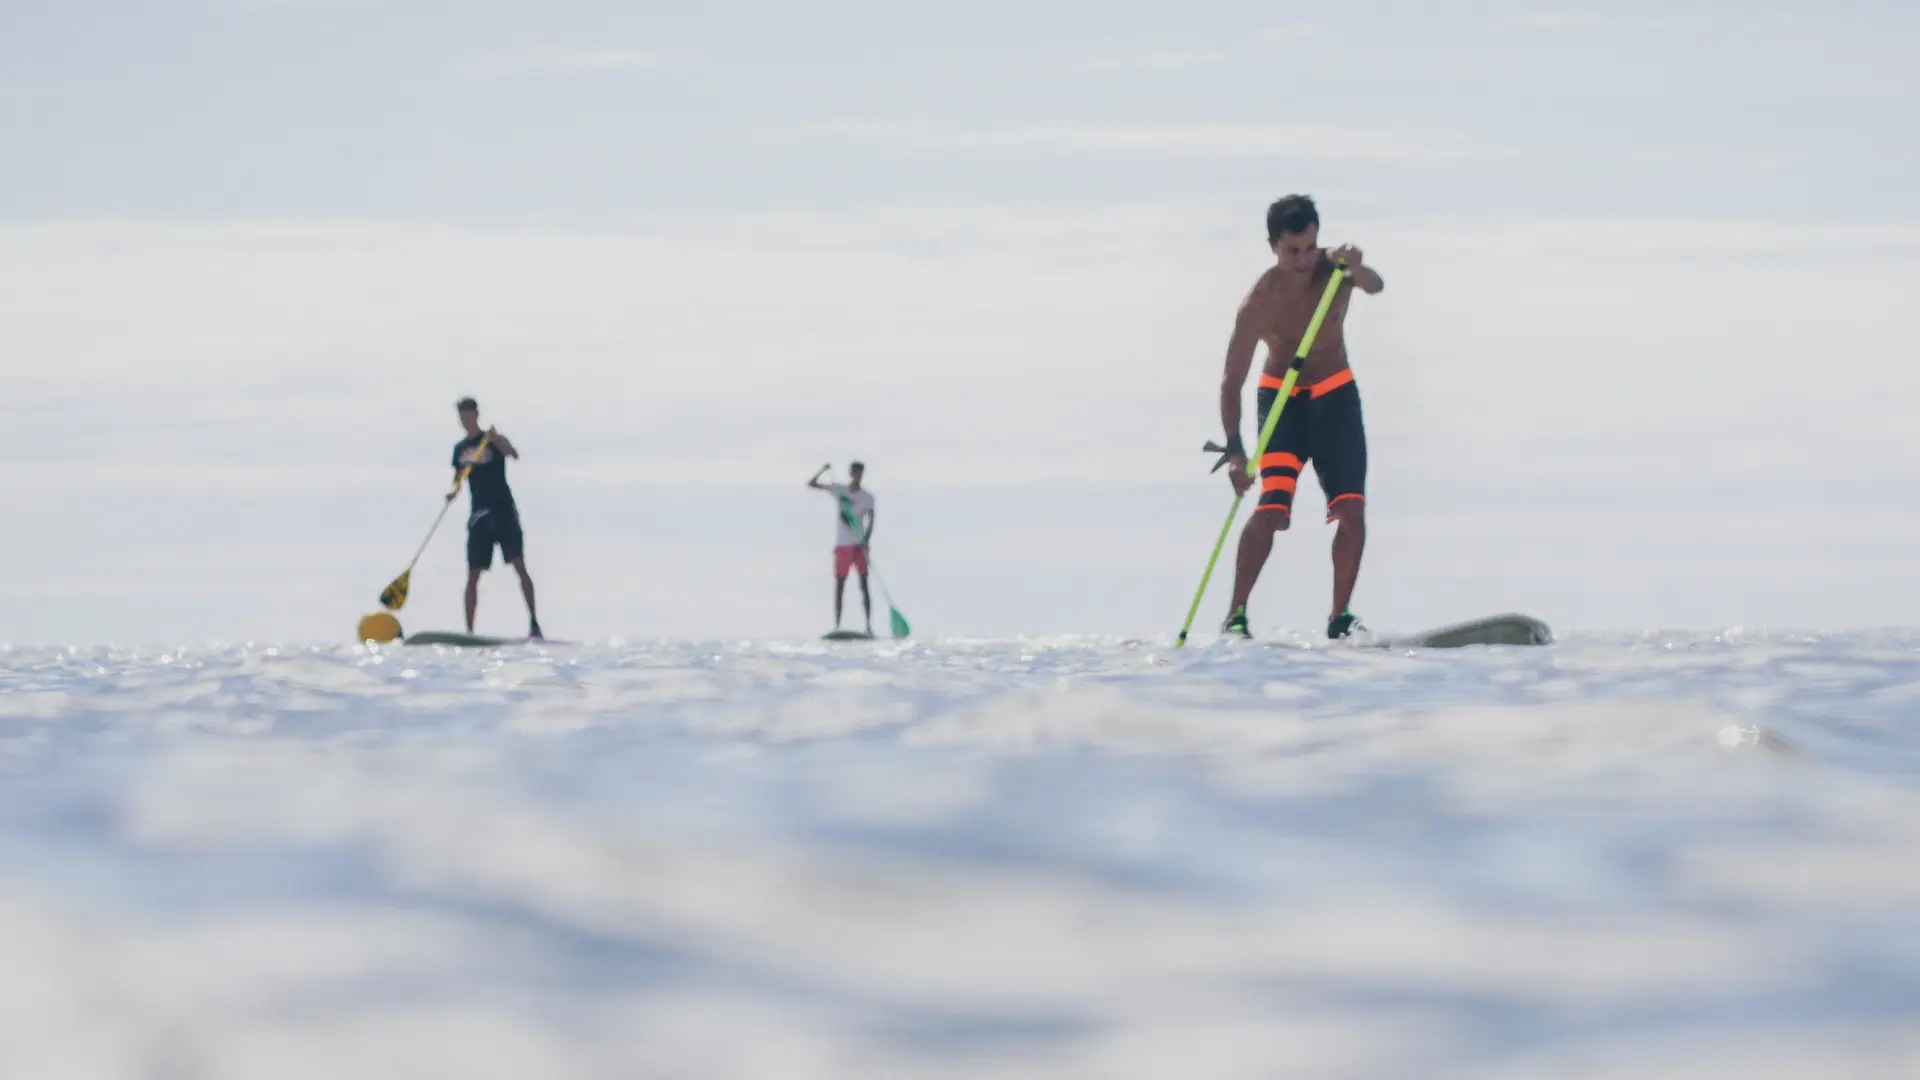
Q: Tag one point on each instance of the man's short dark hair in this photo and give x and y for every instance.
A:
(1291, 216)
(861, 465)
(467, 404)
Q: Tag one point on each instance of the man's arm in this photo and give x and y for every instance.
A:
(815, 482)
(1240, 348)
(866, 525)
(494, 438)
(1364, 277)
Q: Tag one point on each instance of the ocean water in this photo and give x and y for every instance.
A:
(1621, 856)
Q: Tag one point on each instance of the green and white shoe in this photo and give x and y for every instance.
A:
(1345, 624)
(1236, 624)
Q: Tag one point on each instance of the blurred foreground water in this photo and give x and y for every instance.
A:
(1655, 855)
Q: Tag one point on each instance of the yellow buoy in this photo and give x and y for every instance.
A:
(381, 627)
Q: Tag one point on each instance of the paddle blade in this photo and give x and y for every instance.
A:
(900, 627)
(394, 596)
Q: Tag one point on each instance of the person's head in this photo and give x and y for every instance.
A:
(1293, 230)
(857, 470)
(469, 410)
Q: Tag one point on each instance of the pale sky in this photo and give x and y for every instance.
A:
(1646, 356)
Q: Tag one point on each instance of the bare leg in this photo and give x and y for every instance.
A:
(866, 602)
(526, 590)
(473, 596)
(839, 595)
(1256, 543)
(1348, 543)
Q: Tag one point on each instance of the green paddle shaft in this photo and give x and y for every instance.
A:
(1266, 436)
(1212, 560)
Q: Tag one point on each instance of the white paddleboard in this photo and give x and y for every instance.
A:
(467, 641)
(1506, 629)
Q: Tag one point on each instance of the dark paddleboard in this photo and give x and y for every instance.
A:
(846, 635)
(468, 641)
(1508, 629)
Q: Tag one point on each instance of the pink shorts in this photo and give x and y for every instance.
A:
(849, 558)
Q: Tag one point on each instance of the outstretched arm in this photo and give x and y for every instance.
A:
(1233, 383)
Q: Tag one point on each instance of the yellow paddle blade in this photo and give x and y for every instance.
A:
(394, 596)
(380, 627)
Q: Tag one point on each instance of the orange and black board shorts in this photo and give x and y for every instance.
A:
(1321, 424)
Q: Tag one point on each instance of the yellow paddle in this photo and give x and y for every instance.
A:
(394, 596)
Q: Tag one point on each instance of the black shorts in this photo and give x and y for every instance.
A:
(487, 528)
(1321, 424)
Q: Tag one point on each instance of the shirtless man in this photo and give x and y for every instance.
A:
(1320, 424)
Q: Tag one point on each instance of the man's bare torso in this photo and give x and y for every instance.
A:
(1281, 304)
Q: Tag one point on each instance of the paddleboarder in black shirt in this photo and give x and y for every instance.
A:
(494, 520)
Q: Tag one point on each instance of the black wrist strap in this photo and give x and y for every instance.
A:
(1233, 449)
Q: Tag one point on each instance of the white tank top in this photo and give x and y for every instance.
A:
(862, 501)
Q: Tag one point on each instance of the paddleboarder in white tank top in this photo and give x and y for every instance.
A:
(854, 510)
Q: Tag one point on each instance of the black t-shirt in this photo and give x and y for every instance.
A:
(488, 481)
